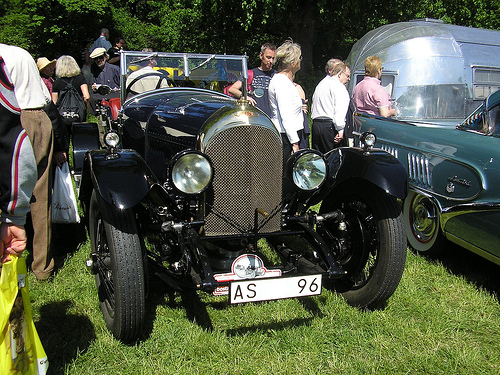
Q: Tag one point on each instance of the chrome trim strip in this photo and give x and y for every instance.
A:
(472, 248)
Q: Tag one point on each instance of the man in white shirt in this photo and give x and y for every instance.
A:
(329, 107)
(29, 96)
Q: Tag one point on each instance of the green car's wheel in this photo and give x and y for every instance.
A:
(422, 224)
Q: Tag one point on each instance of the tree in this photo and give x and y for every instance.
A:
(52, 28)
(324, 29)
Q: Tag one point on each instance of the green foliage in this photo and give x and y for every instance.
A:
(163, 26)
(13, 30)
(465, 12)
(324, 28)
(53, 28)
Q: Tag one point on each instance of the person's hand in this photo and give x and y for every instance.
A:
(295, 148)
(338, 137)
(12, 241)
(251, 100)
(60, 158)
(304, 106)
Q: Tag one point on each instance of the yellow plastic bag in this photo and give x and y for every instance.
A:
(21, 351)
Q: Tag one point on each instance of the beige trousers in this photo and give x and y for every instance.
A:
(39, 128)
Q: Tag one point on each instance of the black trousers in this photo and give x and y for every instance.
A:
(287, 146)
(323, 134)
(287, 152)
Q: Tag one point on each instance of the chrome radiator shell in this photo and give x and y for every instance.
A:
(247, 161)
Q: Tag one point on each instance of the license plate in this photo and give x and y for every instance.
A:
(277, 288)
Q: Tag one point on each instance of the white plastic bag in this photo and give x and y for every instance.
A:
(64, 209)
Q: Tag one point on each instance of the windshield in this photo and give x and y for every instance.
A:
(147, 71)
(483, 121)
(433, 102)
(476, 121)
(494, 121)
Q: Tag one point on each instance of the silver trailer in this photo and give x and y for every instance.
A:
(434, 72)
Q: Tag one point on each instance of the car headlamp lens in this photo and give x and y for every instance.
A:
(191, 173)
(368, 139)
(112, 139)
(309, 171)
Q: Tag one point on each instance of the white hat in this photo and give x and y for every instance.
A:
(97, 52)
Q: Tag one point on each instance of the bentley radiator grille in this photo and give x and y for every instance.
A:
(247, 176)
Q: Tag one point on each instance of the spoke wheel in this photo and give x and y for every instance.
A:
(422, 224)
(120, 280)
(372, 247)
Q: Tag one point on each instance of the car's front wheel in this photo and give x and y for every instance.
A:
(119, 266)
(422, 224)
(372, 246)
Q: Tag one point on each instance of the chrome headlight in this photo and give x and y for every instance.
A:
(112, 139)
(191, 172)
(308, 169)
(367, 140)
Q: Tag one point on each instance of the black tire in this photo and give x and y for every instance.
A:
(422, 224)
(118, 258)
(374, 250)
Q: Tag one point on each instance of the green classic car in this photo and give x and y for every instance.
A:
(454, 175)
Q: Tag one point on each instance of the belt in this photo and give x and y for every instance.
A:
(322, 120)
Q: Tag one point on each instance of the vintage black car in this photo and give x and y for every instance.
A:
(191, 187)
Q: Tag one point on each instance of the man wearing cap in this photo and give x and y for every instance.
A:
(103, 72)
(29, 96)
(46, 69)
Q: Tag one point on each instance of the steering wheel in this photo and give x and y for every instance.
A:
(161, 74)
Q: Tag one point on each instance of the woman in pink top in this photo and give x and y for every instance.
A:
(369, 96)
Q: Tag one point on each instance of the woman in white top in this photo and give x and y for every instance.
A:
(285, 101)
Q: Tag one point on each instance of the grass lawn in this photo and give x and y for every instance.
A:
(443, 319)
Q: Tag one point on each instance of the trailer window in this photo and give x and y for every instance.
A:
(485, 81)
(387, 81)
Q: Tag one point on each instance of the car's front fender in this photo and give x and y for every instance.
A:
(85, 136)
(121, 178)
(375, 166)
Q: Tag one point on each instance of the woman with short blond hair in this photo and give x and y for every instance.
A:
(284, 99)
(373, 64)
(368, 95)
